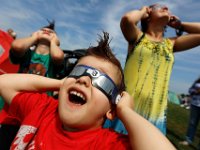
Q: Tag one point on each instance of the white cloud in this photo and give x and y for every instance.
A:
(79, 22)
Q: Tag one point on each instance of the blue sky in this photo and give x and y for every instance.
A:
(78, 23)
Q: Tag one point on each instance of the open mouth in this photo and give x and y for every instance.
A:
(77, 98)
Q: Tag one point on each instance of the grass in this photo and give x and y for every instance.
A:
(177, 122)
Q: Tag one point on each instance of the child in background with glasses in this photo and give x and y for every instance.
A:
(86, 98)
(39, 53)
(150, 58)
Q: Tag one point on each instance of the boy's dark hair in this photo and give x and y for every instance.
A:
(51, 25)
(104, 51)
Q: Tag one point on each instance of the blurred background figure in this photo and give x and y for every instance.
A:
(39, 53)
(185, 100)
(194, 113)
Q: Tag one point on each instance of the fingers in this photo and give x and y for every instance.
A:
(125, 103)
(146, 12)
(174, 18)
(174, 22)
(126, 100)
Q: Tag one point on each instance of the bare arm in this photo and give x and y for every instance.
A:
(12, 84)
(20, 46)
(129, 23)
(191, 27)
(190, 40)
(142, 134)
(56, 53)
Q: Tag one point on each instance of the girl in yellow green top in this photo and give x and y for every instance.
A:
(149, 63)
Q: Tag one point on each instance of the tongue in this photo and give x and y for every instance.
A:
(76, 99)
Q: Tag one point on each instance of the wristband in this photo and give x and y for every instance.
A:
(180, 29)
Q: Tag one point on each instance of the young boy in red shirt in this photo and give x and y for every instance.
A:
(92, 92)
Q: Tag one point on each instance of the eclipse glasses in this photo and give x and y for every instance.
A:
(99, 80)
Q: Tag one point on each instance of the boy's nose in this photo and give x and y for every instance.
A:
(86, 80)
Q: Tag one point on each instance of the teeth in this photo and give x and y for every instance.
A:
(77, 94)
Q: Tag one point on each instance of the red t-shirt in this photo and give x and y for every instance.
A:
(42, 129)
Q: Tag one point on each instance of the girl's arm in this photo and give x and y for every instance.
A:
(20, 46)
(129, 23)
(189, 40)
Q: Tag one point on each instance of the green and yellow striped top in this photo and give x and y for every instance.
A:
(147, 73)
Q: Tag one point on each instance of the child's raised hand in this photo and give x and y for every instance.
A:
(125, 102)
(146, 11)
(36, 34)
(55, 40)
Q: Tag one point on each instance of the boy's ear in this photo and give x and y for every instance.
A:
(111, 114)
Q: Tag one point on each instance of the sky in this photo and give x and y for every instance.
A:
(80, 22)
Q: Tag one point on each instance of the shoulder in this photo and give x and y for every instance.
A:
(132, 44)
(29, 99)
(169, 44)
(139, 37)
(25, 103)
(171, 40)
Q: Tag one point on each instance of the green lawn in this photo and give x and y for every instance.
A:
(177, 121)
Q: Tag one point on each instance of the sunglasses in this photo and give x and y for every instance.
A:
(99, 80)
(158, 7)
